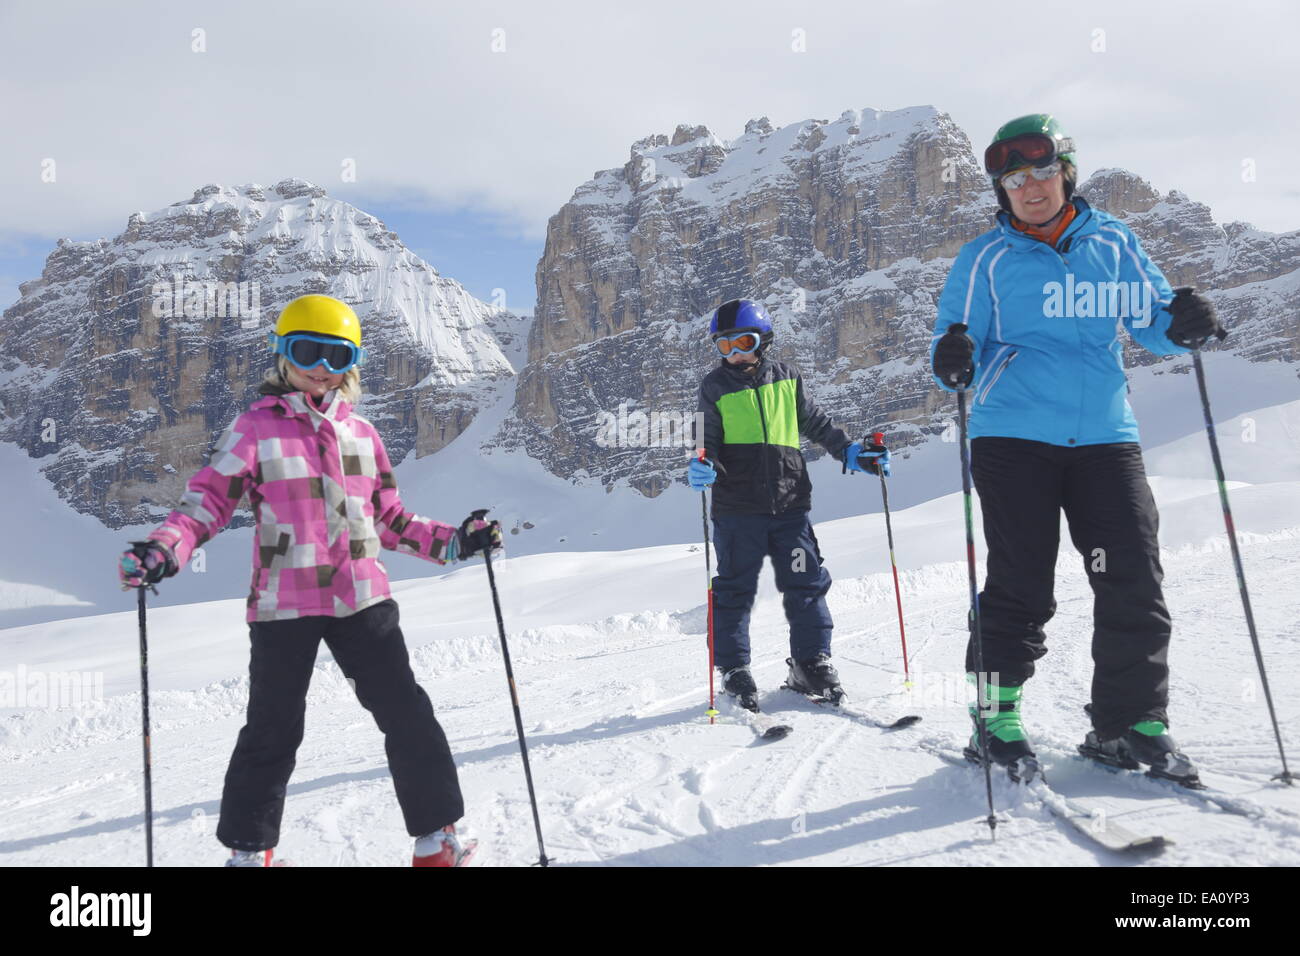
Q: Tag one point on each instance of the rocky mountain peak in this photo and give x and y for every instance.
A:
(136, 351)
(687, 134)
(845, 229)
(293, 188)
(1119, 192)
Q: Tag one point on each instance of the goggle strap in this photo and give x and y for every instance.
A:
(1006, 149)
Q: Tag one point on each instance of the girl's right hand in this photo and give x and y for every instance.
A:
(146, 563)
(477, 535)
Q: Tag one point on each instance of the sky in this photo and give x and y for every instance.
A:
(469, 127)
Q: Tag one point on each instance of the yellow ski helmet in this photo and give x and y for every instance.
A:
(320, 315)
(318, 330)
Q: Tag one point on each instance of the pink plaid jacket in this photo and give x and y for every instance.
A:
(322, 489)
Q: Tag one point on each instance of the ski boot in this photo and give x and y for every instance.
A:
(815, 677)
(1145, 743)
(254, 858)
(738, 683)
(442, 848)
(1008, 744)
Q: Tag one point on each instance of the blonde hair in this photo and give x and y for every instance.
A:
(349, 388)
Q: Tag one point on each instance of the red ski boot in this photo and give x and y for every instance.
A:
(442, 848)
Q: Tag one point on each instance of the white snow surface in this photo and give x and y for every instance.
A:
(609, 655)
(74, 554)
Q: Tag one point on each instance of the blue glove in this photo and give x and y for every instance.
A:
(701, 474)
(873, 459)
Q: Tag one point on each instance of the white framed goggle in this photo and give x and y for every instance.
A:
(1021, 176)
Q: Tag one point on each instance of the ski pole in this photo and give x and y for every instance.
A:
(1285, 776)
(981, 679)
(542, 859)
(144, 705)
(879, 439)
(708, 571)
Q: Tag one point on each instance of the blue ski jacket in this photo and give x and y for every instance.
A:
(1049, 363)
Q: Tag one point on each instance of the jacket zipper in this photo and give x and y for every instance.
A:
(997, 375)
(762, 419)
(1083, 359)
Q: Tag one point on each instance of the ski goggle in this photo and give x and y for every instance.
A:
(306, 351)
(743, 342)
(1021, 176)
(1031, 149)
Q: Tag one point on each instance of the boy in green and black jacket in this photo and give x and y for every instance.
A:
(754, 411)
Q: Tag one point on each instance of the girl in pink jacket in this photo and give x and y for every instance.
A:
(321, 487)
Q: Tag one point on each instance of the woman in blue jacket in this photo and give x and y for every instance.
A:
(1029, 325)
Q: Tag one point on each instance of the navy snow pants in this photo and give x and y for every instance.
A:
(742, 542)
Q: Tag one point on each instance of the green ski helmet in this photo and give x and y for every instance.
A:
(1033, 140)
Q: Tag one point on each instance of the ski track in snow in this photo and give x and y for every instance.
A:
(629, 771)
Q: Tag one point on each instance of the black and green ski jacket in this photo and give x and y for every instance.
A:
(752, 424)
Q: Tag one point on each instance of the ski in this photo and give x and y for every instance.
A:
(1090, 821)
(763, 726)
(839, 705)
(1148, 781)
(767, 728)
(1094, 822)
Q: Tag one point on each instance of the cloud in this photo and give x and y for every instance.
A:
(416, 97)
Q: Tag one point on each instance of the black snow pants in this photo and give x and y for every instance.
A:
(1023, 488)
(369, 649)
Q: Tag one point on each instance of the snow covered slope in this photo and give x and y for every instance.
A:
(582, 516)
(609, 654)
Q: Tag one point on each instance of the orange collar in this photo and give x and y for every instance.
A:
(1048, 236)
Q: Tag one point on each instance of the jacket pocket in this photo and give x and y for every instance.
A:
(996, 375)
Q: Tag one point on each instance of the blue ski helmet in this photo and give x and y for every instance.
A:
(740, 315)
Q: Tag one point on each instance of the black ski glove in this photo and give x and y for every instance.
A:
(1194, 319)
(145, 564)
(954, 357)
(476, 535)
